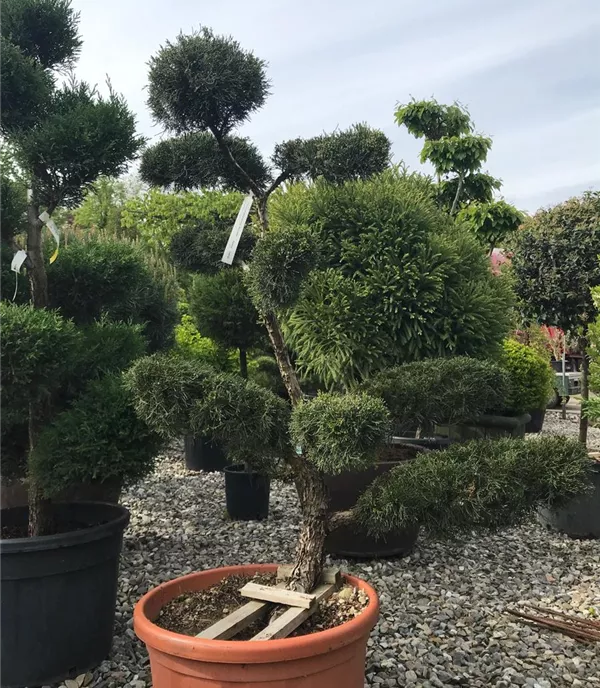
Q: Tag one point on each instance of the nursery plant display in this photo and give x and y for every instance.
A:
(201, 87)
(59, 562)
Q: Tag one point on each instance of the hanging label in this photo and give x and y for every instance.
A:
(18, 259)
(236, 232)
(49, 222)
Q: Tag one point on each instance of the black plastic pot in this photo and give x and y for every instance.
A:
(580, 517)
(345, 489)
(487, 427)
(536, 423)
(246, 494)
(203, 455)
(59, 594)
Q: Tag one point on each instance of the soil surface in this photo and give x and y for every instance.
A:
(20, 530)
(191, 613)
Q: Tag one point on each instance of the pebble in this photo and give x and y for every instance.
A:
(442, 621)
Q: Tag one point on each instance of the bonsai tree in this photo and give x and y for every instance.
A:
(64, 137)
(457, 155)
(201, 87)
(556, 265)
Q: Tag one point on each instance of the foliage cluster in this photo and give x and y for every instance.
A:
(531, 377)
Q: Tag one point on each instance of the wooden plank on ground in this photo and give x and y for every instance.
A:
(278, 595)
(330, 575)
(235, 622)
(283, 625)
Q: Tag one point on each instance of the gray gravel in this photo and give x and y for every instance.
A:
(443, 619)
(555, 425)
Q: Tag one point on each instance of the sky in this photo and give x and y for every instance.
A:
(527, 70)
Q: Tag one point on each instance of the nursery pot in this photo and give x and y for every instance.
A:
(537, 421)
(580, 517)
(344, 490)
(327, 659)
(202, 455)
(246, 494)
(59, 593)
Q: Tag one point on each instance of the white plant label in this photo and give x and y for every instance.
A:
(236, 232)
(49, 222)
(18, 259)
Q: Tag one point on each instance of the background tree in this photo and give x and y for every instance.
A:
(64, 137)
(556, 265)
(201, 87)
(457, 155)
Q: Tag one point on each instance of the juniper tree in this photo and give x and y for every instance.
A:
(63, 136)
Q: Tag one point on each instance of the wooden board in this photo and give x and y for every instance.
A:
(278, 595)
(235, 622)
(330, 575)
(283, 625)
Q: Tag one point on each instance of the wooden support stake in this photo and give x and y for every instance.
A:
(235, 622)
(278, 595)
(283, 625)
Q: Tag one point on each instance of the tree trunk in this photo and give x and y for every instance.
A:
(288, 374)
(40, 518)
(585, 389)
(243, 364)
(458, 190)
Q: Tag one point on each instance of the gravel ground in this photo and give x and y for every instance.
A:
(443, 619)
(555, 425)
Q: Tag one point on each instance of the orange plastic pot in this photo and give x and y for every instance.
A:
(328, 659)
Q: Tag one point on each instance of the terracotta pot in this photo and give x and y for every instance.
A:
(326, 659)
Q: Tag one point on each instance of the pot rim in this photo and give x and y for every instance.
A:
(247, 651)
(118, 521)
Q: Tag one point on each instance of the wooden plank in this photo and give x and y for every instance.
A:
(278, 595)
(283, 625)
(330, 575)
(235, 622)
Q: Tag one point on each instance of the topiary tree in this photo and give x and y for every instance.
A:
(531, 377)
(556, 265)
(207, 85)
(457, 156)
(64, 137)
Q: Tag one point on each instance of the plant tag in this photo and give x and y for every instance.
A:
(49, 222)
(18, 259)
(236, 232)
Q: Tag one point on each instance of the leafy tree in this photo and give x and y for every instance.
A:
(457, 156)
(64, 137)
(223, 311)
(556, 265)
(102, 206)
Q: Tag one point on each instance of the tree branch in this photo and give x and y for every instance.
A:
(340, 518)
(458, 190)
(278, 180)
(255, 188)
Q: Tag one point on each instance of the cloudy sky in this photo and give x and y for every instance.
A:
(526, 69)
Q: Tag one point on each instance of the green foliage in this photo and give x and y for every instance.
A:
(432, 120)
(177, 396)
(35, 361)
(357, 153)
(195, 161)
(26, 89)
(100, 277)
(492, 222)
(101, 206)
(396, 281)
(264, 371)
(483, 484)
(202, 81)
(13, 206)
(156, 216)
(82, 136)
(98, 438)
(223, 310)
(460, 154)
(477, 187)
(281, 260)
(191, 344)
(440, 391)
(591, 410)
(340, 432)
(45, 31)
(594, 341)
(555, 263)
(531, 377)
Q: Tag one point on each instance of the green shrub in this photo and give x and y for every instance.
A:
(100, 277)
(531, 377)
(264, 371)
(35, 360)
(340, 432)
(591, 410)
(190, 343)
(481, 484)
(98, 438)
(440, 391)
